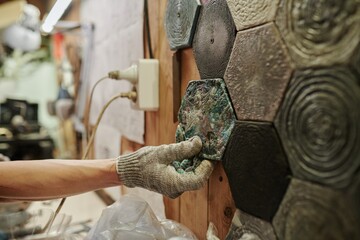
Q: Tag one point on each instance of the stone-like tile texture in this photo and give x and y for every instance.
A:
(256, 167)
(180, 22)
(309, 211)
(258, 73)
(250, 13)
(247, 227)
(206, 111)
(214, 38)
(320, 33)
(319, 125)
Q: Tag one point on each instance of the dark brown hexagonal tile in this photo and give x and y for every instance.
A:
(205, 111)
(180, 22)
(245, 226)
(320, 33)
(309, 211)
(258, 73)
(214, 38)
(256, 167)
(249, 13)
(319, 125)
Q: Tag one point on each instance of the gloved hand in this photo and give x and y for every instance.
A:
(150, 168)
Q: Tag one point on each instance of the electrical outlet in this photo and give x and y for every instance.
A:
(147, 85)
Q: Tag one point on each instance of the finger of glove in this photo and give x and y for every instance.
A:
(174, 195)
(194, 180)
(180, 151)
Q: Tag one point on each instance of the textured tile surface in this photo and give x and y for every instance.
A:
(320, 32)
(256, 167)
(258, 73)
(309, 211)
(250, 13)
(180, 23)
(206, 111)
(319, 126)
(247, 227)
(214, 38)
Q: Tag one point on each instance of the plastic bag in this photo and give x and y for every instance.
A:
(132, 218)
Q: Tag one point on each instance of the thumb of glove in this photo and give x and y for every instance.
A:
(180, 151)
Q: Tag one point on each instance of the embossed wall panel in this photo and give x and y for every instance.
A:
(205, 111)
(250, 13)
(247, 227)
(256, 167)
(180, 24)
(258, 73)
(309, 211)
(214, 38)
(319, 123)
(320, 33)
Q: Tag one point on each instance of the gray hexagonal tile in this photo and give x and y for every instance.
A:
(256, 167)
(258, 73)
(206, 111)
(319, 125)
(320, 33)
(249, 13)
(247, 227)
(214, 38)
(180, 22)
(309, 211)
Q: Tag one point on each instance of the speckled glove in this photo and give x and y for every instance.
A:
(150, 168)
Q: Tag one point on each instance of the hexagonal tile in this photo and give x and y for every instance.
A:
(258, 73)
(249, 13)
(320, 33)
(309, 211)
(180, 22)
(244, 226)
(256, 167)
(206, 111)
(319, 125)
(214, 38)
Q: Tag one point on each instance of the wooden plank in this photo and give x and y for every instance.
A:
(154, 135)
(193, 211)
(221, 205)
(193, 205)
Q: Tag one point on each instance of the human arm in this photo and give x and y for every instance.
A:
(49, 179)
(149, 167)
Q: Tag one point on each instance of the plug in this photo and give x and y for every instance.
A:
(145, 77)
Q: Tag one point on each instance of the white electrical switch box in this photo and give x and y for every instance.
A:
(147, 86)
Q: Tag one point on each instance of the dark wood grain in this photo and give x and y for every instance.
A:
(319, 125)
(309, 211)
(249, 13)
(181, 18)
(320, 33)
(258, 73)
(214, 38)
(256, 168)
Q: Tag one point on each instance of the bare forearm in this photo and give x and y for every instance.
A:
(48, 179)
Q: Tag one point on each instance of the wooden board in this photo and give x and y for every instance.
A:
(193, 209)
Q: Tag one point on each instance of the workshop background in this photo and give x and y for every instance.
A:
(277, 105)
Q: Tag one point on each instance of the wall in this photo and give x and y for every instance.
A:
(293, 78)
(213, 203)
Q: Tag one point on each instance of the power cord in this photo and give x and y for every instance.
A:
(131, 95)
(89, 105)
(147, 28)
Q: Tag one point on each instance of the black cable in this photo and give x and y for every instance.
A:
(147, 28)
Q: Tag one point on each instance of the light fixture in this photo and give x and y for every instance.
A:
(55, 14)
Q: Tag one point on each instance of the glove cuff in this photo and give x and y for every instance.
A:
(129, 171)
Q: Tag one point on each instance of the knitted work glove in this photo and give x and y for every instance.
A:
(150, 168)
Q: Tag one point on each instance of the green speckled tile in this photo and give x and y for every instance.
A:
(206, 111)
